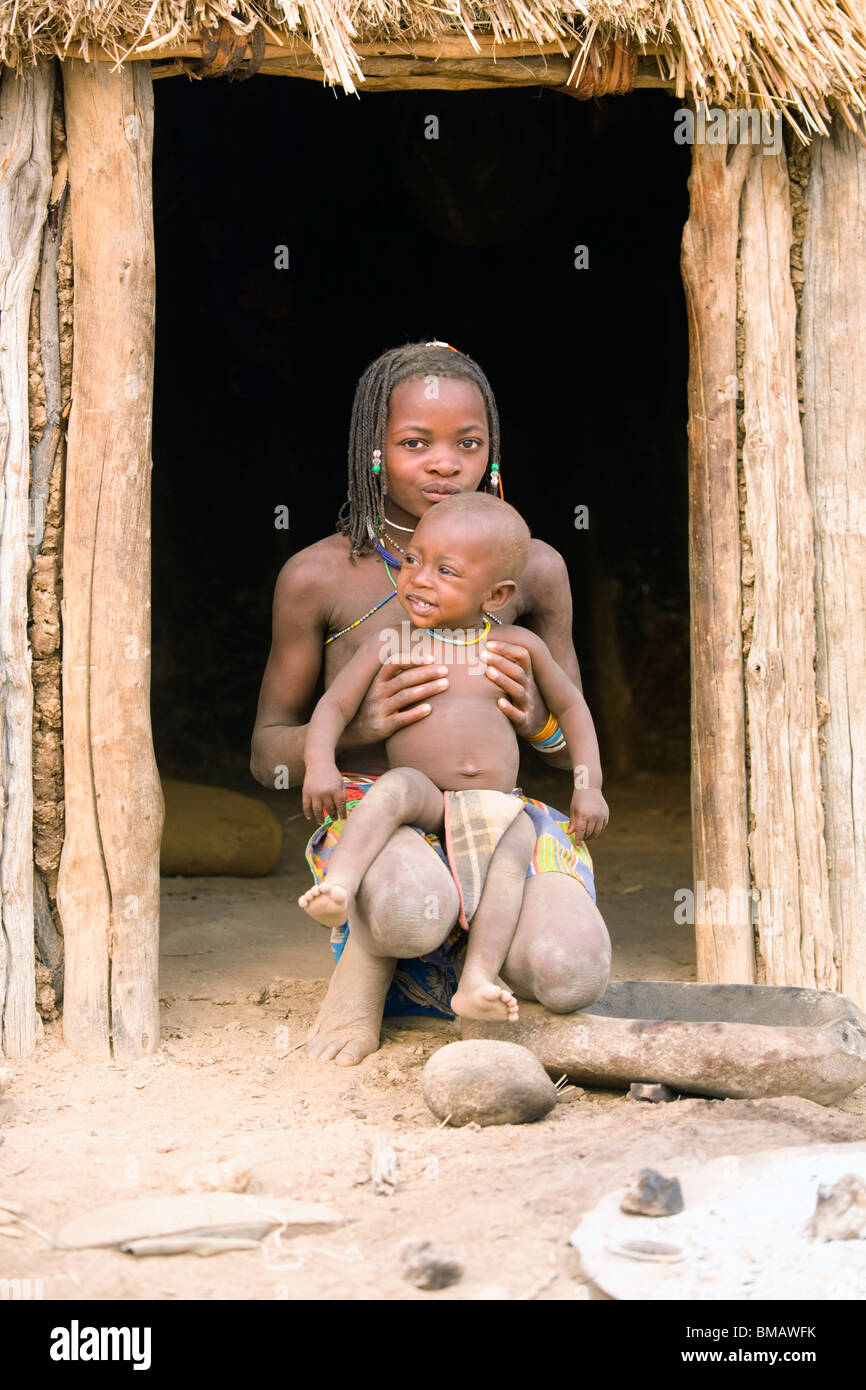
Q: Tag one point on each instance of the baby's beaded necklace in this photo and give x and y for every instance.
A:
(389, 560)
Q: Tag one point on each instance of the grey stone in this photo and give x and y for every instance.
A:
(487, 1083)
(741, 1042)
(649, 1090)
(653, 1195)
(430, 1266)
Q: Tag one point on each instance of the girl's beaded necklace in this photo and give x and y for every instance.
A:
(358, 621)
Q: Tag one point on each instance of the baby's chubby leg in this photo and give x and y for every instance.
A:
(400, 797)
(492, 928)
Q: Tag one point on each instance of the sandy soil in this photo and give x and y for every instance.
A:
(242, 976)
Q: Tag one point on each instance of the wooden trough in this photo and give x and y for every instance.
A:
(746, 1042)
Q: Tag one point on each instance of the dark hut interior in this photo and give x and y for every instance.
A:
(390, 236)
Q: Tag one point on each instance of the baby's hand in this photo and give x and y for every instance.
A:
(589, 813)
(324, 793)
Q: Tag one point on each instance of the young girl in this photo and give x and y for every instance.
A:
(424, 427)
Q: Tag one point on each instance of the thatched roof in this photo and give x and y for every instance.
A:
(804, 56)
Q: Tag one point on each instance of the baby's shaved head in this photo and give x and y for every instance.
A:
(487, 521)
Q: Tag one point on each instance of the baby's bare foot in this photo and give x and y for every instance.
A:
(328, 902)
(485, 1001)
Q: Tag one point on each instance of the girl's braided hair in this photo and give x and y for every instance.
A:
(367, 490)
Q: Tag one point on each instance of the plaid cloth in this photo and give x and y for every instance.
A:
(475, 822)
(424, 985)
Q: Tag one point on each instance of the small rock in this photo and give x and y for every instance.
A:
(383, 1167)
(223, 1175)
(840, 1213)
(572, 1093)
(487, 1082)
(653, 1195)
(654, 1091)
(430, 1266)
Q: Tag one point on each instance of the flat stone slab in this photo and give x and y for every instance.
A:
(210, 1216)
(743, 1234)
(743, 1042)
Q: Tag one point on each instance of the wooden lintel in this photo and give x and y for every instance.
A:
(427, 74)
(448, 63)
(411, 73)
(485, 46)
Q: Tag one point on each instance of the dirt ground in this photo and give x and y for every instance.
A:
(243, 971)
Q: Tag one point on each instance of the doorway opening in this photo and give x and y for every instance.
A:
(298, 235)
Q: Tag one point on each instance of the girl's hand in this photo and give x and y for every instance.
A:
(511, 668)
(393, 699)
(324, 793)
(589, 813)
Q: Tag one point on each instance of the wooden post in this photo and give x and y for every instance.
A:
(833, 326)
(108, 888)
(725, 938)
(25, 184)
(787, 838)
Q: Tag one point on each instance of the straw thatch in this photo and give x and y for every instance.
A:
(790, 55)
(802, 56)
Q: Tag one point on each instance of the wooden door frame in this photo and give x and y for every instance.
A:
(744, 813)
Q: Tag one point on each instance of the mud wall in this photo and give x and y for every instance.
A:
(46, 580)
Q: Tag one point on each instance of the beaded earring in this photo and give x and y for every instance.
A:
(495, 480)
(377, 460)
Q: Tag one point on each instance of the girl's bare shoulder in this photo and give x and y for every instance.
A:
(544, 567)
(314, 571)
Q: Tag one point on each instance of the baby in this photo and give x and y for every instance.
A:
(461, 565)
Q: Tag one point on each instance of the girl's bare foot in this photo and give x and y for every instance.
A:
(485, 1001)
(347, 1028)
(328, 902)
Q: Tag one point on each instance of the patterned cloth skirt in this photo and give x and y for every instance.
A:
(424, 985)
